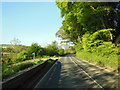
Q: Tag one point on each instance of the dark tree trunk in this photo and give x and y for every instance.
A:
(116, 34)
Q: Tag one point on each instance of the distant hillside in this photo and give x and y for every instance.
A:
(5, 45)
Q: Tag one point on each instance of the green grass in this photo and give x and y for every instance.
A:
(46, 56)
(14, 69)
(110, 61)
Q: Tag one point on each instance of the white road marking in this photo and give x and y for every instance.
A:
(87, 74)
(47, 73)
(95, 65)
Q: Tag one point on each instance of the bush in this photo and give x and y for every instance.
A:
(98, 48)
(78, 47)
(97, 38)
(6, 59)
(61, 51)
(105, 54)
(107, 48)
(69, 51)
(22, 55)
(11, 70)
(52, 49)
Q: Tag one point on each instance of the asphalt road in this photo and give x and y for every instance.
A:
(70, 72)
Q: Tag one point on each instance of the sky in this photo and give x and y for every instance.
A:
(30, 22)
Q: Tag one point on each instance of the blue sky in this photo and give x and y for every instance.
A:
(30, 22)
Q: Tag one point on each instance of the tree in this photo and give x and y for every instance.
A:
(22, 56)
(61, 51)
(35, 48)
(15, 41)
(86, 17)
(15, 45)
(52, 49)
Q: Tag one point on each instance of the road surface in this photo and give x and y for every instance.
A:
(70, 72)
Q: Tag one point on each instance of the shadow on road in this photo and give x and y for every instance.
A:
(103, 77)
(51, 79)
(55, 76)
(65, 74)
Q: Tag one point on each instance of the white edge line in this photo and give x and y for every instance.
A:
(95, 65)
(45, 74)
(87, 74)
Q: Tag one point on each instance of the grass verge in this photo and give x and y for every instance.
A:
(110, 61)
(8, 71)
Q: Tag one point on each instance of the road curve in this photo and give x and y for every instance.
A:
(70, 72)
